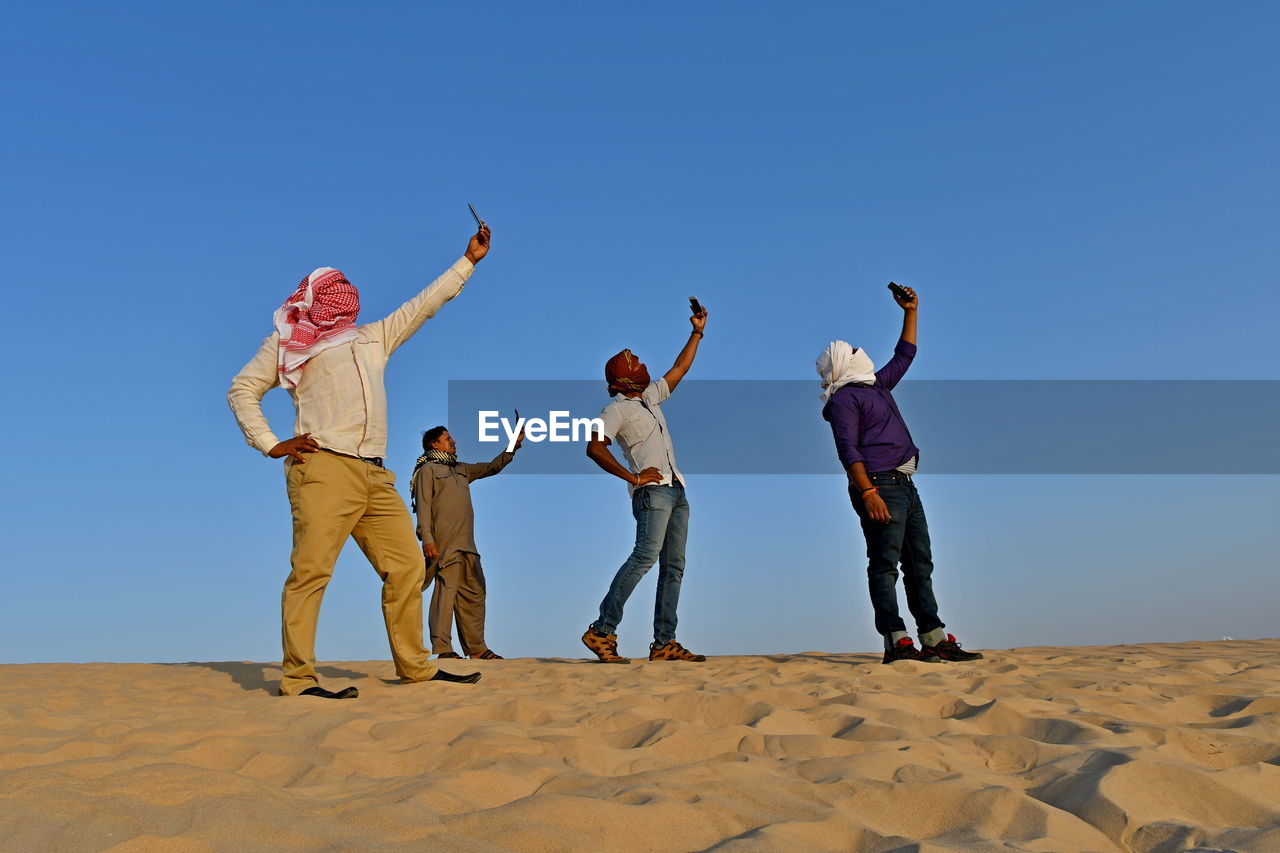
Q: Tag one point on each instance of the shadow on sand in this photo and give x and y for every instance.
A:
(266, 676)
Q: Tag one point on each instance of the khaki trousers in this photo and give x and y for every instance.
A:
(459, 594)
(333, 497)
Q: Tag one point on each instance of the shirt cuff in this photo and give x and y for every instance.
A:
(265, 442)
(463, 267)
(850, 458)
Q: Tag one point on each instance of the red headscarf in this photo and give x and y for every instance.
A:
(625, 373)
(320, 314)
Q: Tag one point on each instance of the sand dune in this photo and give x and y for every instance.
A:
(1147, 748)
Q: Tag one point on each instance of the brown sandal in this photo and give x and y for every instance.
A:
(488, 654)
(450, 655)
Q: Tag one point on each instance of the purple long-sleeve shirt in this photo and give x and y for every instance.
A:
(865, 421)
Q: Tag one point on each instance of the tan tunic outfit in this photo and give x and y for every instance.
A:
(446, 517)
(336, 493)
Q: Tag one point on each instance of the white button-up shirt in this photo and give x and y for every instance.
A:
(637, 423)
(340, 400)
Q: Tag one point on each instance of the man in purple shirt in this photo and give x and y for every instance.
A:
(876, 450)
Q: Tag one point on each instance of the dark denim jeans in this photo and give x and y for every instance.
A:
(662, 526)
(905, 538)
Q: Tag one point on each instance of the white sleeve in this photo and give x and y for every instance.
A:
(258, 377)
(611, 417)
(657, 392)
(397, 327)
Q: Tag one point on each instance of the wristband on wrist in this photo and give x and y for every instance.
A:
(698, 332)
(870, 489)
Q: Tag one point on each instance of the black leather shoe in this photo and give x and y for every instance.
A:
(469, 678)
(344, 693)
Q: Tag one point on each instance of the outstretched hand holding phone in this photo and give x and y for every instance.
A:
(684, 360)
(904, 296)
(479, 245)
(699, 315)
(908, 301)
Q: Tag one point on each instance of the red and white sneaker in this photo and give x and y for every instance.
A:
(949, 649)
(904, 649)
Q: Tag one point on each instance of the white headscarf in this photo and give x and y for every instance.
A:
(840, 365)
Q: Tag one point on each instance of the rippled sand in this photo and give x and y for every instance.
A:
(1149, 748)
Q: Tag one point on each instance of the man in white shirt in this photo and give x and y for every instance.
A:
(334, 475)
(658, 501)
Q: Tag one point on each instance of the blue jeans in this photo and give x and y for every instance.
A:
(662, 527)
(905, 538)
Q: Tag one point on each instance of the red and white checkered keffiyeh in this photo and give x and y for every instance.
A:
(320, 314)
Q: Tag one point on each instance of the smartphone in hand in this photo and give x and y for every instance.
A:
(695, 306)
(479, 221)
(900, 291)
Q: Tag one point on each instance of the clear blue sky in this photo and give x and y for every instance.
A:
(1082, 190)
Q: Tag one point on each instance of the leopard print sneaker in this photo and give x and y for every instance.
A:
(673, 651)
(603, 646)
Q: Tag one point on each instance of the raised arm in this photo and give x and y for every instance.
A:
(400, 325)
(479, 470)
(908, 314)
(685, 359)
(889, 375)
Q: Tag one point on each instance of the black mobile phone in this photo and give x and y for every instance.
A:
(899, 291)
(479, 221)
(695, 306)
